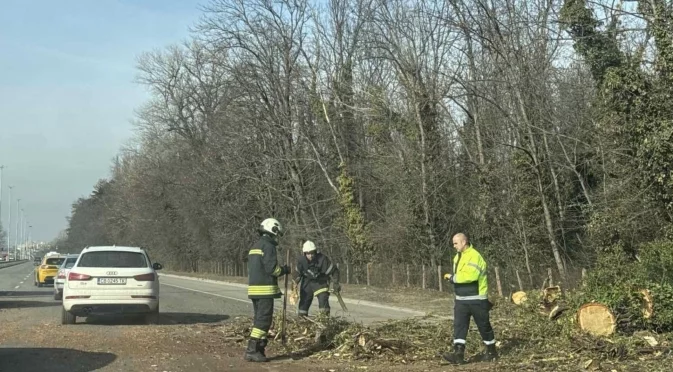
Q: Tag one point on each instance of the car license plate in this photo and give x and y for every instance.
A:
(106, 281)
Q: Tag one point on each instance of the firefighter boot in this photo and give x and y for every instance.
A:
(261, 345)
(458, 355)
(252, 353)
(489, 355)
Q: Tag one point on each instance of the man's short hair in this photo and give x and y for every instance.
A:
(467, 238)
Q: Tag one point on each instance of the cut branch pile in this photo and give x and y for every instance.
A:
(520, 330)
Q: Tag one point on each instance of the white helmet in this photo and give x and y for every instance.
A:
(272, 226)
(308, 246)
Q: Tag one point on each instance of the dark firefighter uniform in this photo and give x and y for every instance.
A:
(315, 278)
(263, 273)
(471, 288)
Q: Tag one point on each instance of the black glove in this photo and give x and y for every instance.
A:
(310, 274)
(336, 287)
(285, 270)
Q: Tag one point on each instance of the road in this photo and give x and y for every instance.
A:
(192, 313)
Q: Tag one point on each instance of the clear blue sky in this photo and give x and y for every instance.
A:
(67, 94)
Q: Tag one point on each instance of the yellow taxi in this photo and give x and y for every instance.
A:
(46, 272)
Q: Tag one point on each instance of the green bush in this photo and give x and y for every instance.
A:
(617, 279)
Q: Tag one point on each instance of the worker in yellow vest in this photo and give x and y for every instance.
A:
(471, 288)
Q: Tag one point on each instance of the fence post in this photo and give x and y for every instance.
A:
(408, 277)
(439, 275)
(392, 268)
(551, 277)
(423, 273)
(368, 274)
(518, 279)
(348, 273)
(497, 280)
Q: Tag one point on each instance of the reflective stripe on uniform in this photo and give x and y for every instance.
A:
(257, 333)
(475, 266)
(329, 269)
(276, 271)
(256, 251)
(258, 290)
(302, 312)
(319, 291)
(475, 297)
(459, 341)
(492, 342)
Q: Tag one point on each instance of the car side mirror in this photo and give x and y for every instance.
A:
(157, 266)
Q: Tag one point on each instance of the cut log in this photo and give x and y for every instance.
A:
(648, 303)
(369, 343)
(556, 312)
(519, 297)
(551, 294)
(596, 319)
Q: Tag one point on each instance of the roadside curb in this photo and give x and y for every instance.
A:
(346, 300)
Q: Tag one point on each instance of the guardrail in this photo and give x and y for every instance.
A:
(11, 263)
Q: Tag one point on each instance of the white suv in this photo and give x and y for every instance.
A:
(111, 280)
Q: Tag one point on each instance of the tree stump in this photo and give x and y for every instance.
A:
(648, 303)
(596, 319)
(519, 297)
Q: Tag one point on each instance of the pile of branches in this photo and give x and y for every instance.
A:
(545, 327)
(403, 341)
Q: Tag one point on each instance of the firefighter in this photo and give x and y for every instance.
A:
(263, 274)
(315, 270)
(471, 288)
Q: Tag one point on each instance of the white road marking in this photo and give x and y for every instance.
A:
(208, 293)
(16, 287)
(20, 282)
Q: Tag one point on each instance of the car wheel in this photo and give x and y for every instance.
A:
(67, 317)
(153, 317)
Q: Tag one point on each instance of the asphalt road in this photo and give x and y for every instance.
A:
(32, 338)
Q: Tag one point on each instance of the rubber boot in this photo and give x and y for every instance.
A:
(261, 345)
(458, 355)
(252, 353)
(489, 355)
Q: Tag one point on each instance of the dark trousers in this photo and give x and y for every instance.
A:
(263, 308)
(479, 309)
(306, 299)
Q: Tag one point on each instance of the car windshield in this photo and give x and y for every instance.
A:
(70, 262)
(112, 259)
(54, 261)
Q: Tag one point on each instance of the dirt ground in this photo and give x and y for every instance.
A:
(191, 339)
(32, 340)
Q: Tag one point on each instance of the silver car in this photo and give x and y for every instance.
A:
(63, 271)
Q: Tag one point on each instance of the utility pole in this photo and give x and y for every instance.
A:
(20, 236)
(18, 218)
(1, 168)
(25, 237)
(9, 219)
(30, 239)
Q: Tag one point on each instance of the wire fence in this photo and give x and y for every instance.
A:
(502, 280)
